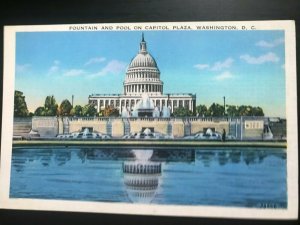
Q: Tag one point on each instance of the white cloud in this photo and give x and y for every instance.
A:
(201, 66)
(223, 76)
(74, 73)
(270, 44)
(95, 60)
(22, 68)
(112, 67)
(56, 62)
(222, 65)
(217, 66)
(269, 57)
(55, 67)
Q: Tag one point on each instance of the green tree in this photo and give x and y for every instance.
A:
(250, 111)
(89, 110)
(232, 110)
(245, 110)
(51, 108)
(65, 108)
(257, 111)
(40, 111)
(20, 106)
(76, 111)
(182, 112)
(202, 110)
(216, 110)
(110, 111)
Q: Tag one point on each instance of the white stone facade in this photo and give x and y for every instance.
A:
(143, 76)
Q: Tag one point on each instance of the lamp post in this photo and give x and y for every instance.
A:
(224, 105)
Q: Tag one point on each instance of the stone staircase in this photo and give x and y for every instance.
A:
(187, 128)
(235, 128)
(109, 127)
(170, 128)
(22, 126)
(278, 129)
(66, 126)
(126, 127)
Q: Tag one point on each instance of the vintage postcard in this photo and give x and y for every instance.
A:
(179, 119)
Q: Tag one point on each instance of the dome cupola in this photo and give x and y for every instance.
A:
(143, 58)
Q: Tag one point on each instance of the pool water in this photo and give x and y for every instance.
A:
(240, 177)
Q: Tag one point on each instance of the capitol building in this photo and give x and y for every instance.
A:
(142, 79)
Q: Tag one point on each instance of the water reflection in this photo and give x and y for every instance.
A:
(142, 176)
(62, 156)
(211, 176)
(46, 157)
(236, 156)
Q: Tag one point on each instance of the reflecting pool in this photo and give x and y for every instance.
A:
(242, 177)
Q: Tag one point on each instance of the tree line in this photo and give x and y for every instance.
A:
(51, 108)
(230, 110)
(217, 110)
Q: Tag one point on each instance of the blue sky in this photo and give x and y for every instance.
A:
(245, 66)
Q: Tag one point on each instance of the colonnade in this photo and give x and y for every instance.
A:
(118, 102)
(140, 88)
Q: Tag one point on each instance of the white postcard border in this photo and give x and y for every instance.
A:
(169, 210)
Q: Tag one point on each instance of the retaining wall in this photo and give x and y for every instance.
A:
(160, 126)
(246, 128)
(198, 126)
(97, 125)
(46, 126)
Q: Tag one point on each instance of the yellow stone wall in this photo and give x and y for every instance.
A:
(51, 126)
(98, 126)
(60, 125)
(253, 134)
(117, 128)
(178, 129)
(159, 126)
(197, 126)
(253, 129)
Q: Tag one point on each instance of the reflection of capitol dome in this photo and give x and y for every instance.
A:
(141, 179)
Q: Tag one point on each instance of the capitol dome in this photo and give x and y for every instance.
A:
(143, 75)
(143, 90)
(143, 60)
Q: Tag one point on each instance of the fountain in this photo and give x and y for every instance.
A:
(144, 108)
(125, 112)
(156, 112)
(85, 134)
(143, 154)
(166, 112)
(208, 134)
(267, 134)
(147, 134)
